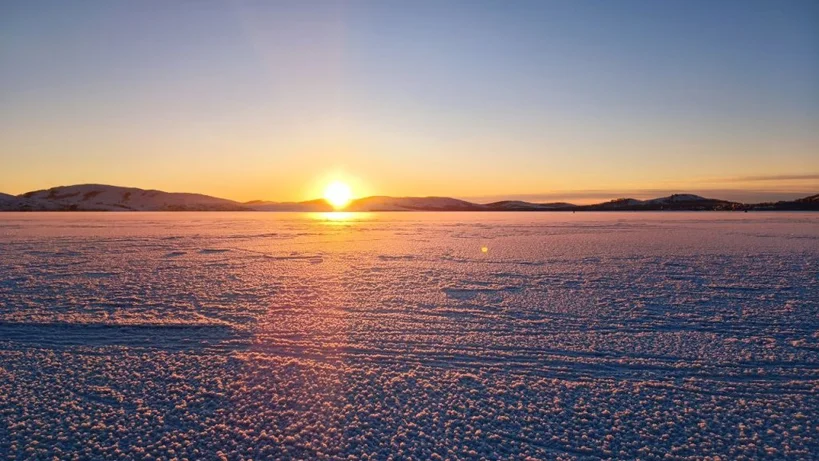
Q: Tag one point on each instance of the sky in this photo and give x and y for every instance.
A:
(565, 100)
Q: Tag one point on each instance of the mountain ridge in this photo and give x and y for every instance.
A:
(101, 197)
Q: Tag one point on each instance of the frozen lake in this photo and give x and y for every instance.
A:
(421, 335)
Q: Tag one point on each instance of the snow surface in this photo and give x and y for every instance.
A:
(360, 336)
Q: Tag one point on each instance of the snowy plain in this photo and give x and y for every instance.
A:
(409, 335)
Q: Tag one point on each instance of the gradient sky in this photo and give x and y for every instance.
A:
(536, 100)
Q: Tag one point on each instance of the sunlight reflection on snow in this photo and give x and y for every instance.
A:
(339, 217)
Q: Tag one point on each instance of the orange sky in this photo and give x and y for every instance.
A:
(272, 101)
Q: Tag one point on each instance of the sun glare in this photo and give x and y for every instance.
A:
(338, 194)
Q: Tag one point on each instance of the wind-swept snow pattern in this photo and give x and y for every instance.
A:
(409, 335)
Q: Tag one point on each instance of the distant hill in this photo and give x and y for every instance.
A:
(98, 197)
(517, 205)
(19, 203)
(412, 204)
(810, 203)
(375, 203)
(317, 205)
(382, 203)
(672, 202)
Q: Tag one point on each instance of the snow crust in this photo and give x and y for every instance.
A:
(369, 336)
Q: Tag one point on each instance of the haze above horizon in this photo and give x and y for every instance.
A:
(530, 100)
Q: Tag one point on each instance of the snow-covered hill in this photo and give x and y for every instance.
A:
(617, 204)
(671, 202)
(97, 197)
(16, 203)
(376, 203)
(380, 203)
(677, 198)
(518, 205)
(309, 206)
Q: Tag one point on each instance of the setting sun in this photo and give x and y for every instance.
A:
(338, 194)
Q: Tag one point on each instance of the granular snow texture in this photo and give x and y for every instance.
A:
(409, 335)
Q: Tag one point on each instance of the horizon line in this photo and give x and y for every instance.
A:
(587, 196)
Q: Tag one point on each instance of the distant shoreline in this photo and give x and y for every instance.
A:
(762, 210)
(99, 197)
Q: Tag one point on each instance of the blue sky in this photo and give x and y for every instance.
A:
(271, 100)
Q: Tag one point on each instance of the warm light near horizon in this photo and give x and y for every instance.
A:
(338, 194)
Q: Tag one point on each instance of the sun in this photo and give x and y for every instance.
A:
(338, 194)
